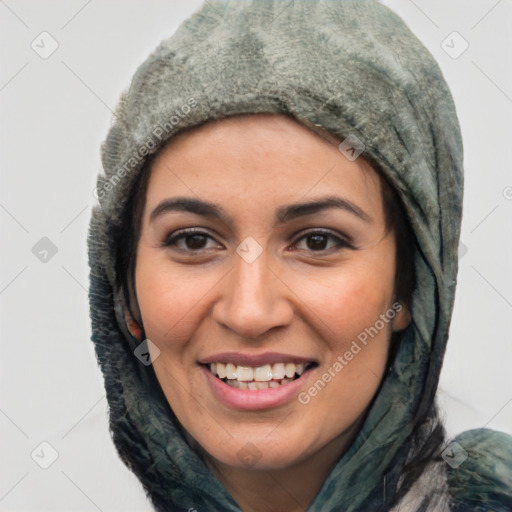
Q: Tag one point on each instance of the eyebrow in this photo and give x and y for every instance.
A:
(283, 214)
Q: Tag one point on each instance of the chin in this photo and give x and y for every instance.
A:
(257, 453)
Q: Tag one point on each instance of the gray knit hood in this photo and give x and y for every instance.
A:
(354, 69)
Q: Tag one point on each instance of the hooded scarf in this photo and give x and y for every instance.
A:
(352, 68)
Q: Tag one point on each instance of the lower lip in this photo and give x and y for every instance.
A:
(253, 399)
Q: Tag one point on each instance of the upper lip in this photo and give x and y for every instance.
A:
(240, 359)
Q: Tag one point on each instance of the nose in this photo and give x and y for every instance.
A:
(254, 299)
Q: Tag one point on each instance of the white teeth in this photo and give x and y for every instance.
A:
(231, 371)
(269, 375)
(278, 371)
(254, 385)
(244, 373)
(289, 370)
(221, 370)
(263, 373)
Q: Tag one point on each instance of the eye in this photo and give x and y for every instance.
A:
(193, 240)
(317, 240)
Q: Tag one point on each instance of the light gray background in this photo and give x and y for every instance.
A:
(55, 112)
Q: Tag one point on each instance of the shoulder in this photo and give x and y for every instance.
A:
(479, 471)
(473, 474)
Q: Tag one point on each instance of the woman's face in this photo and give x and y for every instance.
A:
(289, 270)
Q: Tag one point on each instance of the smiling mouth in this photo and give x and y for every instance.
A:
(261, 377)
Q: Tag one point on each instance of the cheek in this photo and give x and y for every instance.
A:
(355, 305)
(351, 299)
(168, 298)
(359, 301)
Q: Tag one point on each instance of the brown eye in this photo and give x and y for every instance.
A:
(188, 240)
(318, 240)
(195, 241)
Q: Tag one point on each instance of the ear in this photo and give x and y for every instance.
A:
(402, 318)
(132, 326)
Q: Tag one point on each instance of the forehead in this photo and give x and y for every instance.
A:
(251, 128)
(266, 158)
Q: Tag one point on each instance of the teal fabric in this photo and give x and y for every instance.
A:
(485, 477)
(352, 68)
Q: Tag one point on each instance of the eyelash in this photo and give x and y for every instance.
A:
(182, 234)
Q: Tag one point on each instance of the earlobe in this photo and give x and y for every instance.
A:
(402, 318)
(132, 326)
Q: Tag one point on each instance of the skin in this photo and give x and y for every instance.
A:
(296, 297)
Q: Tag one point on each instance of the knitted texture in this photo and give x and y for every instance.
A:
(354, 69)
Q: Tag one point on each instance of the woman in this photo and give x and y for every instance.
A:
(273, 267)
